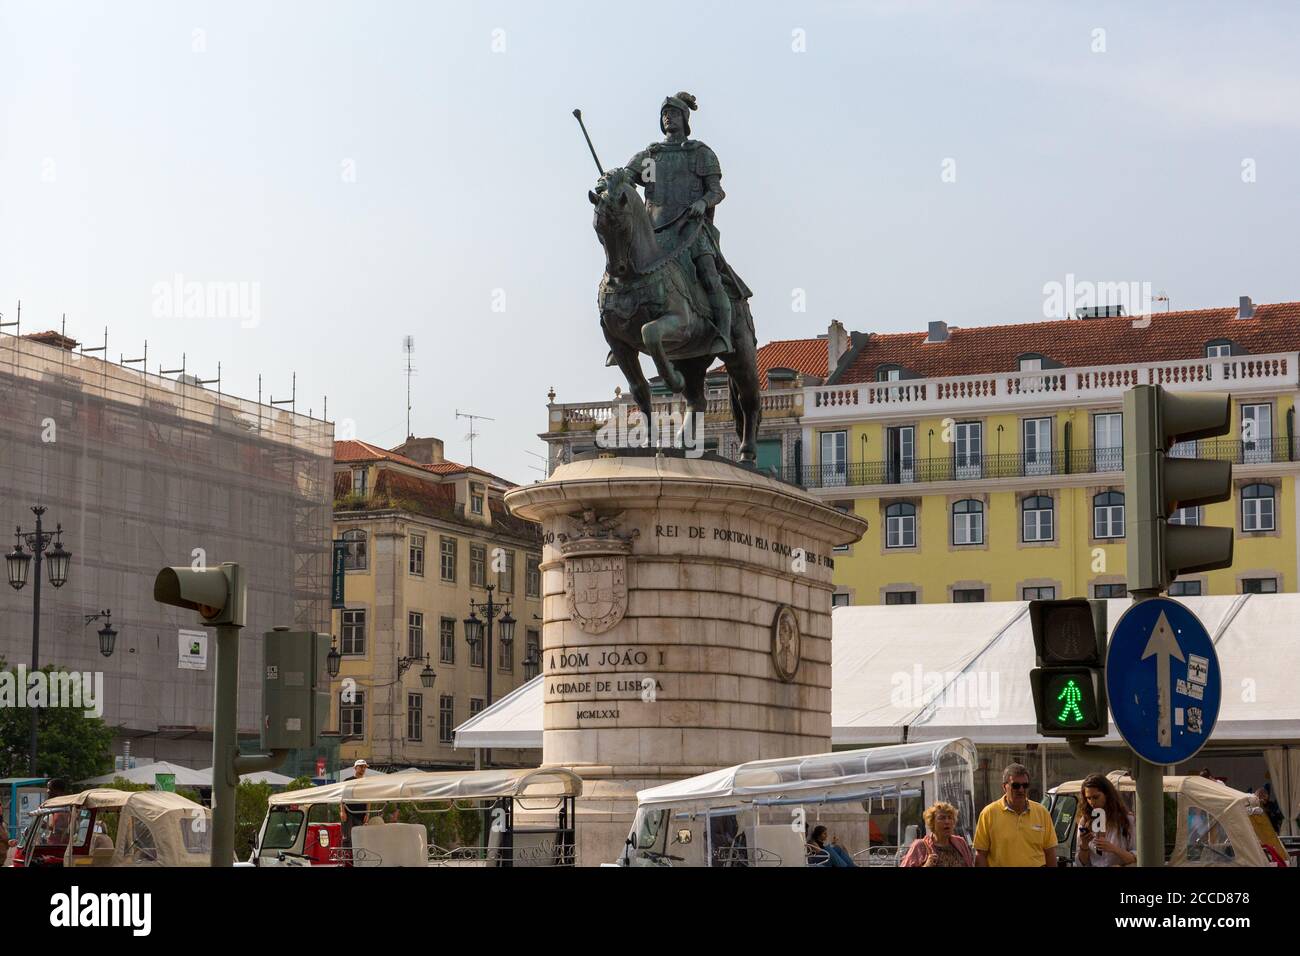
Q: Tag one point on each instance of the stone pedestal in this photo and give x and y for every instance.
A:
(687, 624)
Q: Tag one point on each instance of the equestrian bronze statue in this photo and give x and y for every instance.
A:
(667, 291)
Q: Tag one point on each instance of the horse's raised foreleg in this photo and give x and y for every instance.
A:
(629, 360)
(653, 335)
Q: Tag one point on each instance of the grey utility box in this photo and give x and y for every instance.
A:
(295, 689)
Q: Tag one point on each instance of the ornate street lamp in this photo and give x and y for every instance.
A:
(107, 633)
(17, 563)
(427, 676)
(532, 662)
(473, 630)
(476, 630)
(333, 660)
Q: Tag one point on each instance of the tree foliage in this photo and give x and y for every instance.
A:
(69, 744)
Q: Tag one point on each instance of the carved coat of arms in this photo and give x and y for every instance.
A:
(786, 641)
(595, 570)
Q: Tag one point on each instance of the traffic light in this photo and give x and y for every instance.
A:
(1157, 485)
(218, 594)
(1069, 683)
(295, 688)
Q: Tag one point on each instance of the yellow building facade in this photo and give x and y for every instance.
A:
(424, 538)
(1007, 483)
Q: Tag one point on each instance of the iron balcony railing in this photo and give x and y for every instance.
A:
(974, 466)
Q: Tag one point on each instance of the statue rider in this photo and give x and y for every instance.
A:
(682, 181)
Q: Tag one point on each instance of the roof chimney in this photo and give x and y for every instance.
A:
(938, 332)
(1245, 308)
(837, 343)
(426, 451)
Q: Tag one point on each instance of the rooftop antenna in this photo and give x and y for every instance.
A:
(535, 455)
(17, 323)
(408, 346)
(1162, 297)
(472, 434)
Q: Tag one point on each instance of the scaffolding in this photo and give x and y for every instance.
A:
(145, 471)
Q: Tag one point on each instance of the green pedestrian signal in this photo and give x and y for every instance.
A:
(1069, 684)
(1070, 711)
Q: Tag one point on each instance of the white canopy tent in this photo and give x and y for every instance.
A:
(147, 772)
(513, 721)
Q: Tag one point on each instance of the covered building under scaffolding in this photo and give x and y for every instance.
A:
(143, 471)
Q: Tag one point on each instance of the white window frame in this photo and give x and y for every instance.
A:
(1108, 441)
(1253, 511)
(1107, 519)
(1037, 521)
(968, 450)
(968, 524)
(900, 528)
(1037, 451)
(833, 458)
(1259, 448)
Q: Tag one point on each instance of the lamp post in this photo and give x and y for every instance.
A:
(17, 563)
(481, 630)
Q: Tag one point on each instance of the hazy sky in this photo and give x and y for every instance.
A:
(371, 170)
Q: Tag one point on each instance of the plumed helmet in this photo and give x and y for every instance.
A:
(682, 101)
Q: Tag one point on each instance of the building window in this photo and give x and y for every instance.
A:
(447, 640)
(506, 656)
(1220, 348)
(968, 449)
(1187, 516)
(1110, 591)
(840, 600)
(1108, 441)
(446, 717)
(834, 458)
(475, 705)
(1031, 364)
(1257, 508)
(476, 499)
(533, 645)
(967, 595)
(356, 543)
(532, 576)
(414, 633)
(1185, 589)
(900, 526)
(353, 639)
(1038, 594)
(359, 481)
(476, 650)
(888, 373)
(900, 597)
(1259, 586)
(416, 561)
(415, 717)
(1108, 515)
(968, 522)
(1038, 446)
(1256, 433)
(506, 576)
(352, 715)
(1037, 523)
(447, 559)
(477, 565)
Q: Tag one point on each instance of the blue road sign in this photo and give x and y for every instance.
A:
(1163, 680)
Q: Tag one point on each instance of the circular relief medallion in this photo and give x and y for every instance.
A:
(785, 643)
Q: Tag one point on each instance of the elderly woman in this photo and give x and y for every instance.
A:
(941, 846)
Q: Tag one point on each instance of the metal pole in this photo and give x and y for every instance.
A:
(487, 662)
(1149, 778)
(36, 628)
(225, 746)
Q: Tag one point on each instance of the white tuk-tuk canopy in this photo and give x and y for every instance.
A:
(420, 786)
(818, 778)
(156, 828)
(937, 671)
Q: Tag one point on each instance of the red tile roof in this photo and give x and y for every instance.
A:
(803, 355)
(352, 450)
(1163, 336)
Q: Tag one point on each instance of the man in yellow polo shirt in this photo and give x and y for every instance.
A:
(1015, 831)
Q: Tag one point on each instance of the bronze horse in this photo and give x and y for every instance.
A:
(651, 302)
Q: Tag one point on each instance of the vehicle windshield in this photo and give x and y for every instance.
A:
(282, 826)
(649, 829)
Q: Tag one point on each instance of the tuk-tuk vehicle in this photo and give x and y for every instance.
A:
(528, 820)
(104, 827)
(762, 813)
(1207, 823)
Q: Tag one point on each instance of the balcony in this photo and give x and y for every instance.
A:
(1240, 374)
(1078, 461)
(590, 416)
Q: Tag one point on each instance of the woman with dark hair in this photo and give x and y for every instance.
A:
(1105, 825)
(821, 853)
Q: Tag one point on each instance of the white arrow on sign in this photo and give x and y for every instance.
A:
(1164, 645)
